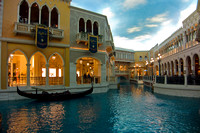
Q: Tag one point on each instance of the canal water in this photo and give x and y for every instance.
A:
(131, 108)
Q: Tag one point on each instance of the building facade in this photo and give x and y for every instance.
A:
(176, 60)
(84, 64)
(123, 63)
(26, 26)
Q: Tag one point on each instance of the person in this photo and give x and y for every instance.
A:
(84, 78)
(89, 78)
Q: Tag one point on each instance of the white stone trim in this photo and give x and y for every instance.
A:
(32, 42)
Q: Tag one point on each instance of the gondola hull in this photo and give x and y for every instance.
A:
(55, 96)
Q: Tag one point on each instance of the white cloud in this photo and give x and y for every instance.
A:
(134, 29)
(158, 18)
(128, 4)
(146, 42)
(113, 22)
(142, 37)
(151, 25)
(185, 13)
(107, 11)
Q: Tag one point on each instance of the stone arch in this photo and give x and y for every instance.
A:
(88, 69)
(56, 69)
(23, 12)
(196, 64)
(45, 15)
(17, 68)
(172, 68)
(95, 28)
(54, 17)
(89, 26)
(35, 11)
(38, 71)
(188, 65)
(181, 64)
(81, 25)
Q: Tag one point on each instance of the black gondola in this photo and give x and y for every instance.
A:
(45, 96)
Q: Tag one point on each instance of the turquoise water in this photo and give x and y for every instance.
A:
(130, 109)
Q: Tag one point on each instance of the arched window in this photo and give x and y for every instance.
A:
(95, 29)
(140, 58)
(35, 13)
(45, 16)
(89, 26)
(54, 18)
(145, 57)
(23, 12)
(81, 25)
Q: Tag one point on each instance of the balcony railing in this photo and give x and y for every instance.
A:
(86, 80)
(193, 80)
(180, 48)
(175, 80)
(29, 29)
(55, 80)
(36, 81)
(148, 78)
(160, 79)
(83, 37)
(121, 72)
(17, 81)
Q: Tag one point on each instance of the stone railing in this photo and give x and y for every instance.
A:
(121, 72)
(83, 37)
(180, 48)
(23, 28)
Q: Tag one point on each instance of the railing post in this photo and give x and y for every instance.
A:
(165, 79)
(185, 79)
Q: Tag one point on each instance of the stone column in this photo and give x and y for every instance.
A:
(185, 71)
(179, 68)
(40, 16)
(49, 19)
(73, 74)
(103, 73)
(28, 75)
(193, 66)
(175, 68)
(29, 15)
(47, 74)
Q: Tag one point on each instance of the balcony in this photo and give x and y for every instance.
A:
(82, 37)
(117, 72)
(29, 29)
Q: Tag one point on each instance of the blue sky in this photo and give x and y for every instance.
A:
(140, 24)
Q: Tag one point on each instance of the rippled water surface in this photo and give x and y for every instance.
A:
(129, 109)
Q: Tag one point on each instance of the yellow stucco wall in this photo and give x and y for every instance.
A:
(10, 15)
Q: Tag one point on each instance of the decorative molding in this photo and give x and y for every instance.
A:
(32, 42)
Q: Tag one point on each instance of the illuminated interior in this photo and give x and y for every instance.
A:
(88, 70)
(55, 70)
(17, 70)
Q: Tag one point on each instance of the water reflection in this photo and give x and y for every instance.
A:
(128, 109)
(34, 119)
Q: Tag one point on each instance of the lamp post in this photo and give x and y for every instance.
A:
(151, 62)
(159, 59)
